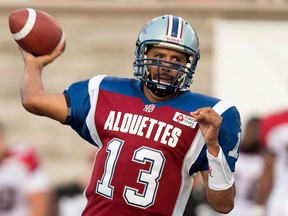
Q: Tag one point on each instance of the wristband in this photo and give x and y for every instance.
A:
(258, 210)
(220, 175)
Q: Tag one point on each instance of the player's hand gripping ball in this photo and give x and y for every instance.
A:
(35, 31)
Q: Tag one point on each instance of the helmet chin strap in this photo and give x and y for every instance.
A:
(160, 90)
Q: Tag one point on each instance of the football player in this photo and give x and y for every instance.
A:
(249, 169)
(272, 197)
(153, 134)
(24, 186)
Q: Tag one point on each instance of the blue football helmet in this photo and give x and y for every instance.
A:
(170, 32)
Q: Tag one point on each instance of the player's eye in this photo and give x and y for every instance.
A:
(176, 59)
(158, 56)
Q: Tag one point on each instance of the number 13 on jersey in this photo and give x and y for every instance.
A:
(149, 178)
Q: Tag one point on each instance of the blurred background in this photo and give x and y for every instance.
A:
(243, 46)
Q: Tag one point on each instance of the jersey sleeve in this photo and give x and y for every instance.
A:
(229, 139)
(78, 98)
(230, 136)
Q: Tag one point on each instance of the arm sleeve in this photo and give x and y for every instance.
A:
(229, 139)
(230, 136)
(78, 98)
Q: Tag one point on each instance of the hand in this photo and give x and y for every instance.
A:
(42, 61)
(209, 123)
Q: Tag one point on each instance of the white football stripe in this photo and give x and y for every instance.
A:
(170, 17)
(28, 25)
(62, 40)
(179, 28)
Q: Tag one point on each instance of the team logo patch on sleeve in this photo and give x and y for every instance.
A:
(184, 120)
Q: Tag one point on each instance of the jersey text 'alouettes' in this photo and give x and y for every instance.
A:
(143, 126)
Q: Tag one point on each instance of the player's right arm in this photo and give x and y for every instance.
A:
(33, 96)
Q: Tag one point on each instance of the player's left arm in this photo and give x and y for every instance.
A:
(221, 200)
(219, 179)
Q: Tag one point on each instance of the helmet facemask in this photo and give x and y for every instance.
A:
(182, 79)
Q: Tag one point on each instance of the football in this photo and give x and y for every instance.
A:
(35, 31)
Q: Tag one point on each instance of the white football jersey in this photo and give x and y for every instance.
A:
(277, 141)
(20, 175)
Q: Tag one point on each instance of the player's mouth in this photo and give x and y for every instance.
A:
(164, 78)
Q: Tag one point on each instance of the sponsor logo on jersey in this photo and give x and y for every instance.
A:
(184, 120)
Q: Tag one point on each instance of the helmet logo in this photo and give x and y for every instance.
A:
(173, 39)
